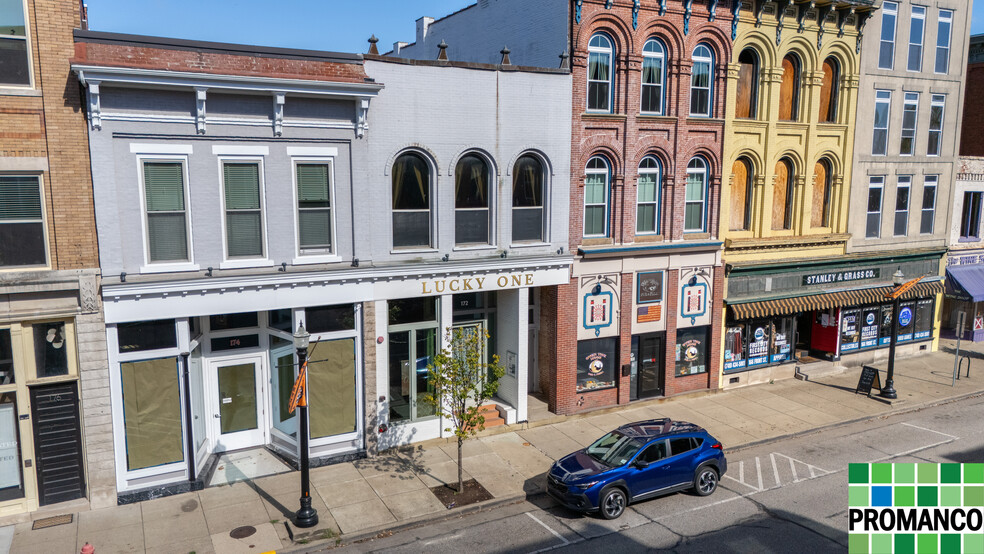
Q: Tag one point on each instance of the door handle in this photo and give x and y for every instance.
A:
(216, 416)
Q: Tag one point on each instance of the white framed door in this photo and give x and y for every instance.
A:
(237, 401)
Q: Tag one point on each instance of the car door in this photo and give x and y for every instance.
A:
(681, 460)
(652, 477)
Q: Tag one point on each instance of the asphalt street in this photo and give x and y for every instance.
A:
(785, 496)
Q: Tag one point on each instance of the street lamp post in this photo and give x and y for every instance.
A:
(306, 516)
(888, 391)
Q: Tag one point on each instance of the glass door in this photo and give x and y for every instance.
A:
(650, 366)
(410, 352)
(237, 409)
(469, 330)
(282, 376)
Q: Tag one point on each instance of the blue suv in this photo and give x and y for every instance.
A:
(635, 462)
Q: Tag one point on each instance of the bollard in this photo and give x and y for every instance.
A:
(88, 549)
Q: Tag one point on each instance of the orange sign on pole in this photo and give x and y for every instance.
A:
(903, 288)
(298, 396)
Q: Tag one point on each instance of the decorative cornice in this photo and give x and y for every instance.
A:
(712, 7)
(780, 17)
(687, 7)
(735, 12)
(795, 241)
(801, 16)
(862, 21)
(635, 13)
(842, 17)
(822, 12)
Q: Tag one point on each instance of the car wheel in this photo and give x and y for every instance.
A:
(613, 503)
(706, 481)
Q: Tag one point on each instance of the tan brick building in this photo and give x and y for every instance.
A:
(53, 374)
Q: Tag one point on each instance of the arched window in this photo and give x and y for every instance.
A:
(701, 81)
(747, 98)
(649, 187)
(597, 181)
(695, 213)
(820, 215)
(600, 53)
(471, 200)
(828, 91)
(653, 77)
(411, 202)
(789, 88)
(741, 195)
(782, 196)
(527, 200)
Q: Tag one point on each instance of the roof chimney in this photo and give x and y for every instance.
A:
(423, 24)
(398, 47)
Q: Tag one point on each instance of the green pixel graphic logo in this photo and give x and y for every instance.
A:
(915, 508)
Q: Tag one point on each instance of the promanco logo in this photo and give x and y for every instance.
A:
(916, 508)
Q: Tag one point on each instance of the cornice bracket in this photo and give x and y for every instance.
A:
(735, 12)
(780, 16)
(278, 113)
(577, 10)
(687, 10)
(862, 21)
(711, 9)
(200, 93)
(842, 17)
(95, 107)
(635, 13)
(822, 12)
(801, 16)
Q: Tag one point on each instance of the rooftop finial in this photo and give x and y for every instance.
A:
(444, 50)
(564, 60)
(505, 56)
(372, 45)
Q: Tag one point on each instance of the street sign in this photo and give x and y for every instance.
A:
(297, 392)
(903, 288)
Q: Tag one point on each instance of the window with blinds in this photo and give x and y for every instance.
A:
(167, 216)
(243, 212)
(22, 241)
(314, 229)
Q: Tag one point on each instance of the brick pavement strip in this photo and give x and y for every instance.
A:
(367, 497)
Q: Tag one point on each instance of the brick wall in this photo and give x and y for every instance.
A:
(972, 133)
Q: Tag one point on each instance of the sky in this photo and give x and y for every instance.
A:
(334, 25)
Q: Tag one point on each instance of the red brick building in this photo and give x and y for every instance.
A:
(973, 118)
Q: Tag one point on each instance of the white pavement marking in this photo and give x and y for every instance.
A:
(929, 430)
(775, 468)
(552, 532)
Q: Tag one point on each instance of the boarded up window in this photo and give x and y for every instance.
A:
(741, 195)
(747, 84)
(789, 89)
(782, 196)
(151, 413)
(828, 92)
(821, 195)
(331, 392)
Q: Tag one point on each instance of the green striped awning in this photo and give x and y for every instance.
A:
(824, 301)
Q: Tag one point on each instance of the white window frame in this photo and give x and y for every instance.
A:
(545, 194)
(892, 9)
(432, 205)
(935, 180)
(44, 225)
(910, 102)
(240, 263)
(874, 182)
(658, 172)
(936, 101)
(902, 182)
(882, 97)
(709, 60)
(610, 52)
(917, 17)
(169, 157)
(607, 172)
(705, 171)
(661, 56)
(30, 53)
(493, 179)
(943, 17)
(314, 256)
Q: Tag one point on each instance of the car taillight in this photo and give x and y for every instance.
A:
(718, 446)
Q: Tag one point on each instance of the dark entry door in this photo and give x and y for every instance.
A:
(57, 442)
(650, 365)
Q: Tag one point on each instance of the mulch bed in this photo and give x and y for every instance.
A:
(449, 496)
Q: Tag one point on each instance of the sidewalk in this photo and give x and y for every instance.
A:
(391, 490)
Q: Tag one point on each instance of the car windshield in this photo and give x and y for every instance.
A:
(614, 449)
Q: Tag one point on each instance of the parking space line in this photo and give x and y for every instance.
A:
(907, 424)
(552, 532)
(775, 468)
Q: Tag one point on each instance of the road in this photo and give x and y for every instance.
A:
(785, 496)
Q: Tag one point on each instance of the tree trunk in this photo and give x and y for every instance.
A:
(461, 481)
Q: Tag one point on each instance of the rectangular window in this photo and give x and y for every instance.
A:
(691, 351)
(329, 319)
(146, 335)
(647, 203)
(693, 217)
(886, 50)
(11, 477)
(6, 359)
(597, 360)
(944, 26)
(243, 212)
(314, 224)
(596, 205)
(928, 214)
(22, 232)
(167, 216)
(331, 388)
(599, 81)
(970, 221)
(910, 110)
(15, 66)
(151, 413)
(902, 205)
(916, 26)
(883, 105)
(50, 349)
(873, 223)
(936, 109)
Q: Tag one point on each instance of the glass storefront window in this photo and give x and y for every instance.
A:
(11, 478)
(907, 320)
(597, 360)
(331, 388)
(197, 397)
(410, 354)
(782, 334)
(282, 359)
(50, 349)
(146, 335)
(925, 314)
(869, 326)
(327, 319)
(734, 347)
(280, 319)
(151, 412)
(885, 333)
(691, 351)
(412, 310)
(6, 358)
(232, 321)
(850, 330)
(760, 335)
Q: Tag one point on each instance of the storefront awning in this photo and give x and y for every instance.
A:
(856, 297)
(965, 281)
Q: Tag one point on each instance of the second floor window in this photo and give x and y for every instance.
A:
(902, 205)
(789, 89)
(527, 200)
(653, 64)
(928, 215)
(872, 227)
(822, 190)
(910, 109)
(648, 199)
(596, 184)
(970, 220)
(471, 200)
(936, 110)
(917, 23)
(782, 196)
(828, 91)
(22, 233)
(701, 81)
(883, 104)
(411, 202)
(15, 66)
(943, 28)
(243, 210)
(741, 195)
(600, 53)
(167, 214)
(695, 216)
(314, 218)
(886, 48)
(747, 97)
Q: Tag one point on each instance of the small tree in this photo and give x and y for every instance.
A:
(460, 381)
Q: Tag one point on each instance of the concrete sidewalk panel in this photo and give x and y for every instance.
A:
(198, 545)
(339, 494)
(265, 539)
(440, 474)
(408, 505)
(227, 495)
(223, 518)
(362, 515)
(471, 447)
(128, 538)
(59, 538)
(388, 485)
(336, 473)
(387, 463)
(160, 529)
(109, 518)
